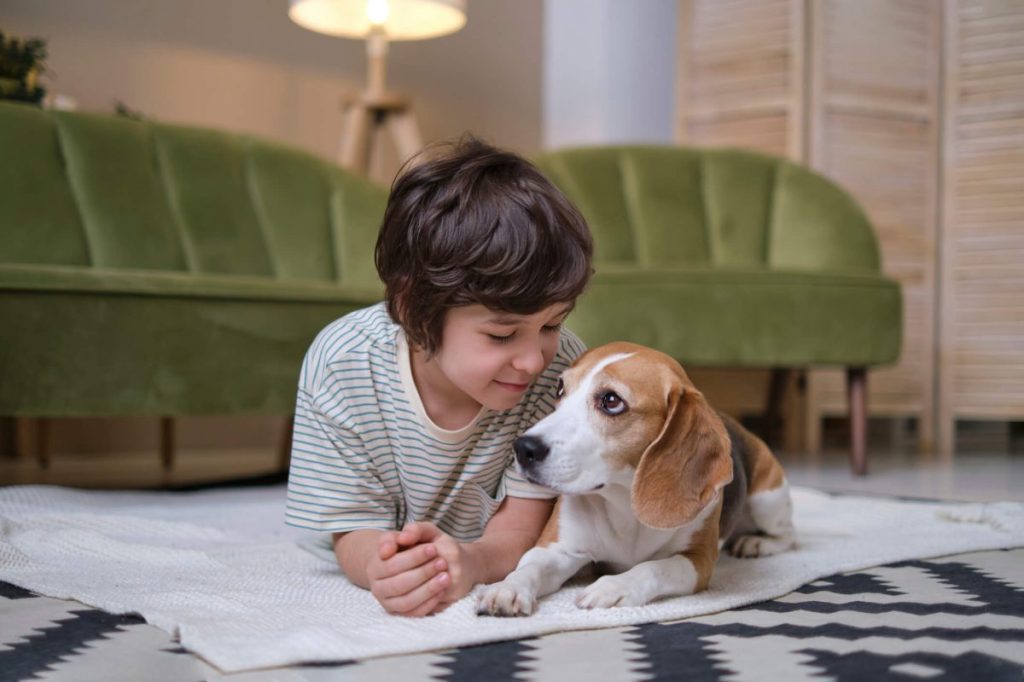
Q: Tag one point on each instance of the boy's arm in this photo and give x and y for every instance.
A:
(510, 533)
(354, 551)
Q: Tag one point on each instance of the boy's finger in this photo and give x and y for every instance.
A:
(408, 581)
(440, 604)
(414, 601)
(427, 608)
(407, 560)
(417, 532)
(387, 545)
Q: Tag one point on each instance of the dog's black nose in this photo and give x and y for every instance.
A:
(529, 450)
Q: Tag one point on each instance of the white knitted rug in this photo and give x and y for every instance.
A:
(220, 570)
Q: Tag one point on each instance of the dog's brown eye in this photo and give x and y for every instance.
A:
(611, 403)
(560, 390)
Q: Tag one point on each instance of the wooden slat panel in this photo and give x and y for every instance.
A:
(765, 133)
(870, 88)
(874, 125)
(739, 74)
(982, 304)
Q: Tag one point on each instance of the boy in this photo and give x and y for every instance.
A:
(407, 410)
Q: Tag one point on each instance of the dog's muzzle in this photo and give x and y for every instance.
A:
(530, 450)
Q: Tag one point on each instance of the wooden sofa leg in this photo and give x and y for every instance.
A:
(285, 453)
(167, 443)
(22, 437)
(774, 408)
(857, 395)
(32, 433)
(9, 446)
(43, 444)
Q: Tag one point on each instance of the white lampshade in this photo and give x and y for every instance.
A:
(399, 19)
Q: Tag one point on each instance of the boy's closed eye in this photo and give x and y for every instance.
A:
(503, 327)
(505, 338)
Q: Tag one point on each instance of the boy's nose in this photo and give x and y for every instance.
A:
(530, 362)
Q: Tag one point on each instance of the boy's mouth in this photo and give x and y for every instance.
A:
(517, 388)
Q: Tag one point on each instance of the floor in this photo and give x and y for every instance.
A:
(988, 469)
(952, 618)
(978, 477)
(60, 640)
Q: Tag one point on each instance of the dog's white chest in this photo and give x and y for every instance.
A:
(604, 528)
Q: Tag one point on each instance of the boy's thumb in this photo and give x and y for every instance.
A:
(417, 532)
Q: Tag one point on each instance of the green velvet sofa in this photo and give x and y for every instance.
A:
(151, 269)
(727, 258)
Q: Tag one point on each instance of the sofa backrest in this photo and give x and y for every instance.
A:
(111, 192)
(660, 206)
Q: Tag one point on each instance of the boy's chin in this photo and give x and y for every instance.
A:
(498, 402)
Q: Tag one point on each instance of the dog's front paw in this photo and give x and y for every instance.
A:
(609, 591)
(753, 546)
(506, 599)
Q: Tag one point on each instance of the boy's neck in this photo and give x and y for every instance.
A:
(446, 405)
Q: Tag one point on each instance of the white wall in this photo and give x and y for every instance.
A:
(609, 71)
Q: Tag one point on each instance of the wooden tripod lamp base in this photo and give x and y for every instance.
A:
(365, 117)
(375, 109)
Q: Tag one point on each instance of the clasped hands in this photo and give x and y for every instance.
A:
(420, 570)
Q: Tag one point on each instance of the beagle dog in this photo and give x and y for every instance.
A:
(653, 483)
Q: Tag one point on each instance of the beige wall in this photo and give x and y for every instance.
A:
(243, 65)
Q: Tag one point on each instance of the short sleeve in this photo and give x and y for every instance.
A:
(333, 483)
(569, 348)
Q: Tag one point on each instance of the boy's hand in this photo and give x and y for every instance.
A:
(461, 564)
(408, 579)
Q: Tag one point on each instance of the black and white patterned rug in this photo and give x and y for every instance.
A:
(954, 618)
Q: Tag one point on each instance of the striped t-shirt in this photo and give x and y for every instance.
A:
(366, 455)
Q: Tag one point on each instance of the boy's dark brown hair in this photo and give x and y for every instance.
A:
(476, 224)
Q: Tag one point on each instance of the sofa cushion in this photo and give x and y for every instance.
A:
(290, 195)
(109, 192)
(662, 206)
(84, 341)
(745, 317)
(207, 183)
(34, 193)
(112, 171)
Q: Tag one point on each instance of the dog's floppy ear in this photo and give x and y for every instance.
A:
(685, 466)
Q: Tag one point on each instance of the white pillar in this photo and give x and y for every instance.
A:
(609, 71)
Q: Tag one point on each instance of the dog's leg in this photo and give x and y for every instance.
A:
(541, 571)
(673, 576)
(771, 512)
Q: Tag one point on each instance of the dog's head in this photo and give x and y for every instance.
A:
(630, 412)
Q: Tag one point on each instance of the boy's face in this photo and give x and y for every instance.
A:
(493, 357)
